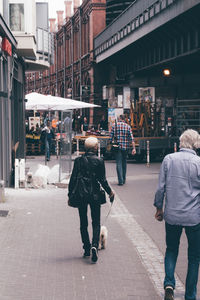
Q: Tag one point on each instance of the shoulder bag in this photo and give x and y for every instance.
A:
(82, 190)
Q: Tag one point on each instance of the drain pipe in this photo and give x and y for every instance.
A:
(72, 51)
(64, 60)
(80, 49)
(56, 64)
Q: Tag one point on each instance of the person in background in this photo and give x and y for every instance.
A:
(124, 137)
(84, 126)
(37, 129)
(92, 162)
(179, 193)
(103, 125)
(46, 119)
(54, 123)
(48, 136)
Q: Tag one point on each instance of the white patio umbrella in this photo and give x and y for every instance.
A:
(36, 101)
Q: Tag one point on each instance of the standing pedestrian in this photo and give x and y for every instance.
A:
(123, 134)
(47, 136)
(103, 124)
(179, 192)
(84, 126)
(90, 161)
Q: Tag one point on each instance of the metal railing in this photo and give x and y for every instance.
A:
(128, 21)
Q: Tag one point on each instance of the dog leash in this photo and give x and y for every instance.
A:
(108, 213)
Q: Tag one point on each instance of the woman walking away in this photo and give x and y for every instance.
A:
(88, 176)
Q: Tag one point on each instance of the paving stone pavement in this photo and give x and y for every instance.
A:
(41, 254)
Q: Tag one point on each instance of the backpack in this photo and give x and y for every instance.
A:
(83, 187)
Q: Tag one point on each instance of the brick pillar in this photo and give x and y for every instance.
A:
(52, 25)
(68, 10)
(76, 5)
(60, 18)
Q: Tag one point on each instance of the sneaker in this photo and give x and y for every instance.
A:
(94, 257)
(169, 293)
(86, 253)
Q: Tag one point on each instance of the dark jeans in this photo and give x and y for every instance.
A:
(173, 234)
(95, 215)
(48, 148)
(120, 157)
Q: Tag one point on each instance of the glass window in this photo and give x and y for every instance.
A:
(17, 17)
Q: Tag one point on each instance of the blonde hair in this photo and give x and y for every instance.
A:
(91, 143)
(190, 139)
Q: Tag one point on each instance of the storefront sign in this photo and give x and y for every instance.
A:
(6, 46)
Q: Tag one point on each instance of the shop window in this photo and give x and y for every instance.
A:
(16, 17)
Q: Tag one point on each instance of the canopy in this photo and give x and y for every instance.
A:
(36, 101)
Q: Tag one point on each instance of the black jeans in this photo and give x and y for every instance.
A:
(95, 215)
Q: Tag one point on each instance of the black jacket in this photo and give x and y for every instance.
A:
(97, 167)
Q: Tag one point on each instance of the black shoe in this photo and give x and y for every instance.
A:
(169, 293)
(120, 183)
(94, 257)
(86, 253)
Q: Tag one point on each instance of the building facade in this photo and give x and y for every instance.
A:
(18, 53)
(73, 72)
(154, 46)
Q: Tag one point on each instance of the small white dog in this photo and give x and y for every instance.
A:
(103, 237)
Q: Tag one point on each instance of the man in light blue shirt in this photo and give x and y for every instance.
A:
(179, 193)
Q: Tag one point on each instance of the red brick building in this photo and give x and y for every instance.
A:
(73, 72)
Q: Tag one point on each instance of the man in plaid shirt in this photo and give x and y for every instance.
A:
(124, 137)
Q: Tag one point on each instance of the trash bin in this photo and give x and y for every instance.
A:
(2, 191)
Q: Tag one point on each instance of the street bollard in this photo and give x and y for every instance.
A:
(2, 191)
(148, 154)
(16, 173)
(175, 147)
